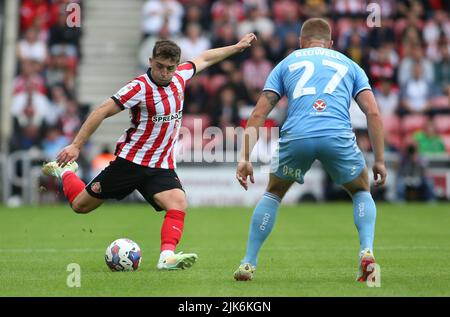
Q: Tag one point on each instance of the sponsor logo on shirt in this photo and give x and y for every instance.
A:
(168, 118)
(319, 105)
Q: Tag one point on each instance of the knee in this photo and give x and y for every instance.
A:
(173, 199)
(276, 190)
(357, 190)
(173, 204)
(180, 204)
(362, 194)
(80, 208)
(355, 187)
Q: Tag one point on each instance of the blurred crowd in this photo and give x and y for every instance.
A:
(45, 111)
(407, 60)
(406, 56)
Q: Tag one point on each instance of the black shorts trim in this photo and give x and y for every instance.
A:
(121, 177)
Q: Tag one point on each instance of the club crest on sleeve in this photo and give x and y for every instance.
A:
(320, 105)
(96, 187)
(128, 88)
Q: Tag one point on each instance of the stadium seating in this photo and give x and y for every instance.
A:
(212, 84)
(440, 103)
(392, 124)
(446, 139)
(442, 124)
(413, 123)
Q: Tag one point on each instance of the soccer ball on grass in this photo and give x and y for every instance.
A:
(123, 255)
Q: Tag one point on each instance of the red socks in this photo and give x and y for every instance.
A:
(72, 185)
(172, 229)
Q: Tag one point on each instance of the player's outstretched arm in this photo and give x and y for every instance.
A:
(265, 104)
(71, 152)
(367, 103)
(215, 55)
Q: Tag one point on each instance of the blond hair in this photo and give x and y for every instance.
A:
(316, 29)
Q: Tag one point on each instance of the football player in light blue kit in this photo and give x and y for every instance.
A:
(319, 84)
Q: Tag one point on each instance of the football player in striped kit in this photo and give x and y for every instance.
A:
(145, 152)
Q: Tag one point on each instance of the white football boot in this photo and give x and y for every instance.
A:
(53, 169)
(179, 261)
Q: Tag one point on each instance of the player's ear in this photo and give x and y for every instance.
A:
(330, 44)
(300, 40)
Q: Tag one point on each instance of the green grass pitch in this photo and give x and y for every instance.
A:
(312, 251)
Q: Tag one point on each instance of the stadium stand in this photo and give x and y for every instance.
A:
(415, 37)
(407, 60)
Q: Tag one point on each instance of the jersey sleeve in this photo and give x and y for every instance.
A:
(361, 81)
(129, 95)
(186, 70)
(275, 82)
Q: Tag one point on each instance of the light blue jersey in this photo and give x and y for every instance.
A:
(319, 84)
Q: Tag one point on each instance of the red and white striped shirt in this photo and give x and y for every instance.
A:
(155, 113)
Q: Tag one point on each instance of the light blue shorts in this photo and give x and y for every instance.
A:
(340, 156)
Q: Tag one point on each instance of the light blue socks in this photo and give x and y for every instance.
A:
(261, 225)
(364, 214)
(265, 212)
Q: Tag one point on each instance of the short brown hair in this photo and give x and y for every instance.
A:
(167, 49)
(316, 29)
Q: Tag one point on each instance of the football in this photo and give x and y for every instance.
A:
(123, 255)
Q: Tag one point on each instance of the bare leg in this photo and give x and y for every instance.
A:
(85, 203)
(172, 199)
(278, 186)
